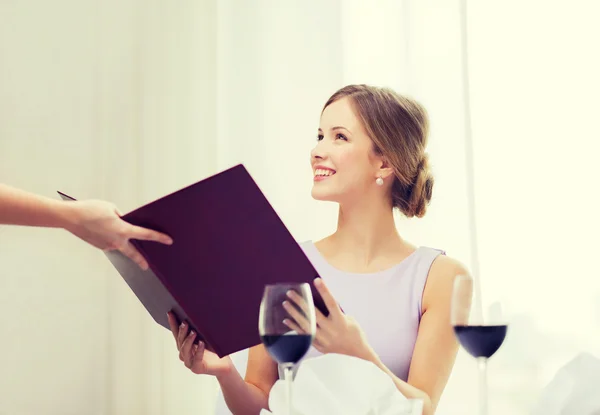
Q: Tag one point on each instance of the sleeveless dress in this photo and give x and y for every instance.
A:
(386, 305)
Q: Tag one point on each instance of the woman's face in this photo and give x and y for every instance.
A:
(344, 164)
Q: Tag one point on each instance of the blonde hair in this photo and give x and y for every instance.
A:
(398, 127)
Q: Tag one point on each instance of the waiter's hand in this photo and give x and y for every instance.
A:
(99, 224)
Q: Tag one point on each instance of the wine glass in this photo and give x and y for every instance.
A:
(286, 346)
(480, 336)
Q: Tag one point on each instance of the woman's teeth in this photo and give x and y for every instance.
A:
(323, 172)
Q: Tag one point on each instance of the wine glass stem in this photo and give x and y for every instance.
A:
(483, 407)
(287, 376)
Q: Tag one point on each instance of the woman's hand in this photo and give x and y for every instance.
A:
(337, 333)
(195, 356)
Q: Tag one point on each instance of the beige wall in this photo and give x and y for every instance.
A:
(108, 99)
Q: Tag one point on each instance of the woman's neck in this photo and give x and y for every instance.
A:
(366, 233)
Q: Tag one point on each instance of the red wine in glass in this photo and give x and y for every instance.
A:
(479, 337)
(286, 346)
(481, 341)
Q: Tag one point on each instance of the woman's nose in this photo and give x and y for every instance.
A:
(318, 152)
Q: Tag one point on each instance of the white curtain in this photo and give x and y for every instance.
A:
(129, 100)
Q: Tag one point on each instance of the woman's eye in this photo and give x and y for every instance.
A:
(337, 137)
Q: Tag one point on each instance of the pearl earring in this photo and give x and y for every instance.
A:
(379, 181)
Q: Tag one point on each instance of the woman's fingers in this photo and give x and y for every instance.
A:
(295, 297)
(299, 300)
(186, 349)
(293, 326)
(298, 317)
(182, 334)
(190, 354)
(173, 325)
(197, 360)
(332, 305)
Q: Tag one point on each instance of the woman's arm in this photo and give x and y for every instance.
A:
(243, 397)
(436, 346)
(248, 396)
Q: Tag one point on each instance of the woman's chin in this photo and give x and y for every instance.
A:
(319, 194)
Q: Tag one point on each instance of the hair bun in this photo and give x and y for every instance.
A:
(420, 191)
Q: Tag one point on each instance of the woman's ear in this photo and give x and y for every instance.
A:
(385, 169)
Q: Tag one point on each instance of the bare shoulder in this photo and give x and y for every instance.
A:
(440, 280)
(448, 267)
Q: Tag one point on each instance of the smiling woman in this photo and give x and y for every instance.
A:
(390, 128)
(369, 159)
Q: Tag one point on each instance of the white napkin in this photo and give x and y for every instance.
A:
(574, 389)
(334, 384)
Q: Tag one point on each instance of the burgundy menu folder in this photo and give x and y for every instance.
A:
(228, 243)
